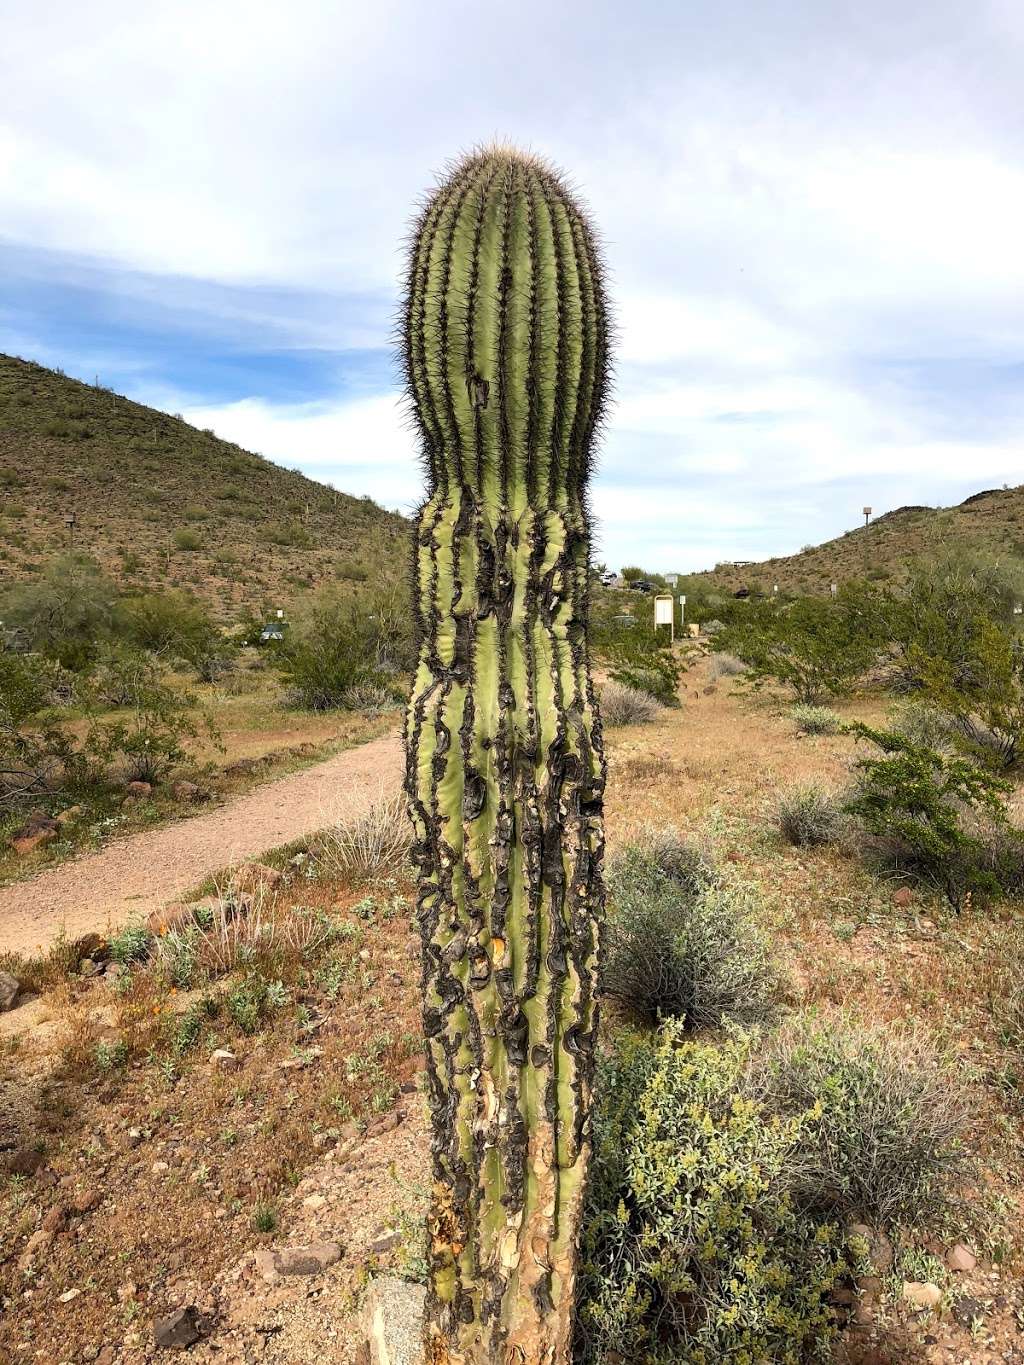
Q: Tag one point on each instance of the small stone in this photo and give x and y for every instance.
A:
(67, 817)
(961, 1259)
(385, 1242)
(83, 1203)
(55, 1218)
(266, 1266)
(385, 1123)
(69, 1295)
(314, 1201)
(922, 1293)
(968, 1311)
(179, 1329)
(413, 948)
(25, 1161)
(159, 1167)
(224, 1059)
(135, 1136)
(306, 1260)
(903, 897)
(189, 792)
(9, 987)
(139, 790)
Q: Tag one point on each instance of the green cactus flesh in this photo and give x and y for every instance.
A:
(505, 341)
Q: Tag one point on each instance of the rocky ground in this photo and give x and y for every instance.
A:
(228, 1188)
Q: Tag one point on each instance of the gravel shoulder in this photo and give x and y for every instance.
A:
(132, 876)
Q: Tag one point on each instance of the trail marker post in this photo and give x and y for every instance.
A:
(665, 614)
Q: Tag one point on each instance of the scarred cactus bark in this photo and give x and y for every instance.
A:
(505, 342)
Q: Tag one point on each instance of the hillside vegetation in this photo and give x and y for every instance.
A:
(991, 522)
(159, 503)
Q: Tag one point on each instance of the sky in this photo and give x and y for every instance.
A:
(812, 214)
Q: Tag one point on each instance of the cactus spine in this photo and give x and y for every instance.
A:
(505, 346)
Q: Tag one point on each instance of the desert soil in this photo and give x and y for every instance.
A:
(130, 877)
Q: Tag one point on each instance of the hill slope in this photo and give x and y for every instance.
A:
(162, 504)
(990, 521)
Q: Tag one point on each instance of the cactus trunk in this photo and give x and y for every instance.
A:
(505, 337)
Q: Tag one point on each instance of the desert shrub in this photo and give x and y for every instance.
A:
(373, 698)
(659, 851)
(252, 999)
(692, 1249)
(814, 647)
(151, 739)
(923, 724)
(686, 949)
(66, 613)
(888, 1146)
(339, 646)
(37, 756)
(187, 540)
(986, 707)
(808, 815)
(374, 846)
(636, 657)
(724, 665)
(175, 625)
(131, 943)
(917, 804)
(233, 937)
(815, 720)
(622, 705)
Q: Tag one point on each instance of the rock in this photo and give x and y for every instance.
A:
(9, 988)
(256, 877)
(135, 1136)
(69, 1295)
(314, 1202)
(85, 1202)
(903, 897)
(385, 1123)
(26, 843)
(38, 1243)
(160, 1167)
(87, 967)
(67, 817)
(189, 792)
(54, 1219)
(303, 1260)
(960, 1258)
(922, 1293)
(385, 1242)
(25, 1161)
(392, 1322)
(179, 1329)
(224, 1059)
(115, 970)
(307, 1260)
(93, 946)
(413, 947)
(139, 790)
(968, 1311)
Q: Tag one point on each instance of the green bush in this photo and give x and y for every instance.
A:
(683, 944)
(66, 613)
(917, 804)
(692, 1249)
(808, 815)
(815, 720)
(187, 540)
(150, 740)
(339, 647)
(37, 756)
(174, 625)
(814, 647)
(888, 1147)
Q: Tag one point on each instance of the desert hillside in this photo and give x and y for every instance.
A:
(991, 521)
(160, 503)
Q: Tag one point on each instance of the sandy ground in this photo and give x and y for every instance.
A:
(133, 876)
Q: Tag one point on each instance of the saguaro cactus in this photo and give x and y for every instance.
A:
(505, 341)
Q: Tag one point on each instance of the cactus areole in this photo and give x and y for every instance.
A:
(505, 341)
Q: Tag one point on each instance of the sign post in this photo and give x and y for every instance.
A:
(665, 614)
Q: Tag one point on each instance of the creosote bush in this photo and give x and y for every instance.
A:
(623, 705)
(808, 815)
(889, 1145)
(725, 665)
(682, 943)
(692, 1249)
(815, 720)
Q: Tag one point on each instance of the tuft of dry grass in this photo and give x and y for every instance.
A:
(373, 847)
(621, 705)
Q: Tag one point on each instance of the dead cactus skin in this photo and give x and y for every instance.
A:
(505, 349)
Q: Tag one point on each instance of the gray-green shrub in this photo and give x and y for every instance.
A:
(622, 705)
(889, 1144)
(808, 815)
(815, 720)
(687, 949)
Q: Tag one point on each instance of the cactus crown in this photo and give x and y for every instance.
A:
(505, 333)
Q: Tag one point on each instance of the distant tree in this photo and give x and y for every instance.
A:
(67, 612)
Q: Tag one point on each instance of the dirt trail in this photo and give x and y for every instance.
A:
(133, 876)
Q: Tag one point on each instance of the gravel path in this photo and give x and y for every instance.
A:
(132, 876)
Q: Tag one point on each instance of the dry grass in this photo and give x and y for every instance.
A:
(373, 847)
(621, 705)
